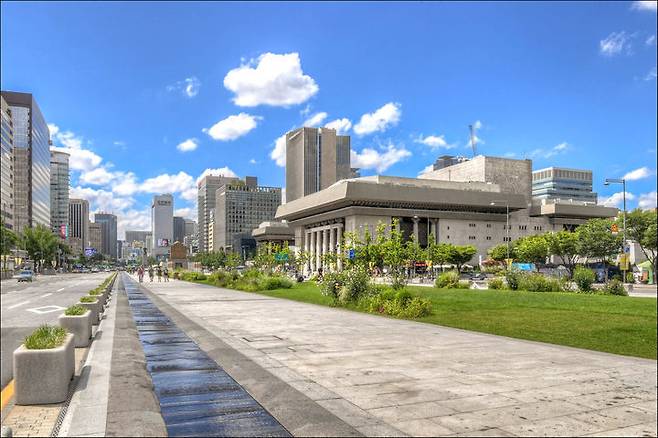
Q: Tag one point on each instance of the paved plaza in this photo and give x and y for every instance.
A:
(384, 376)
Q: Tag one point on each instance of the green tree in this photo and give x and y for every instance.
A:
(8, 241)
(40, 244)
(458, 255)
(395, 256)
(597, 241)
(499, 252)
(641, 228)
(565, 246)
(531, 249)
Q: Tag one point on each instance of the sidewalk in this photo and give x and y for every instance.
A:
(390, 377)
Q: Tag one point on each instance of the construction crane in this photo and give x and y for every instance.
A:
(470, 127)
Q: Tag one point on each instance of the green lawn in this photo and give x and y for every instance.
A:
(613, 324)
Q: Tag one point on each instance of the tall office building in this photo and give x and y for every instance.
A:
(59, 193)
(240, 207)
(78, 225)
(179, 229)
(31, 161)
(162, 225)
(206, 203)
(96, 237)
(190, 240)
(137, 236)
(6, 165)
(315, 159)
(108, 224)
(559, 184)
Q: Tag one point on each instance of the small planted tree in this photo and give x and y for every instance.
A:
(565, 246)
(597, 241)
(531, 249)
(459, 255)
(641, 227)
(395, 256)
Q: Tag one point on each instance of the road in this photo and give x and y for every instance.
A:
(25, 306)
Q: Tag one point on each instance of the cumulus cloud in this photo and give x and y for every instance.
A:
(66, 141)
(548, 153)
(380, 120)
(651, 40)
(188, 87)
(616, 200)
(278, 154)
(233, 127)
(133, 220)
(651, 76)
(644, 5)
(166, 183)
(222, 171)
(379, 160)
(186, 212)
(342, 126)
(315, 120)
(101, 200)
(434, 141)
(647, 201)
(641, 173)
(426, 170)
(615, 43)
(99, 176)
(188, 145)
(272, 79)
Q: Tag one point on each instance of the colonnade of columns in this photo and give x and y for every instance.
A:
(318, 241)
(433, 228)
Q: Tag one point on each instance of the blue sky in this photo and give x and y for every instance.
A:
(148, 96)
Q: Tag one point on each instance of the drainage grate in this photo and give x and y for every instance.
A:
(197, 397)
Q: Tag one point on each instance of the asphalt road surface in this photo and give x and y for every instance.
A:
(25, 306)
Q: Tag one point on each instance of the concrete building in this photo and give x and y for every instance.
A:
(274, 232)
(560, 184)
(31, 161)
(448, 160)
(206, 189)
(179, 229)
(108, 223)
(162, 225)
(136, 236)
(78, 225)
(315, 159)
(59, 193)
(96, 237)
(465, 206)
(6, 165)
(240, 207)
(211, 233)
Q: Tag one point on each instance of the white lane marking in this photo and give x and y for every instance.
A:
(17, 305)
(46, 295)
(46, 309)
(61, 289)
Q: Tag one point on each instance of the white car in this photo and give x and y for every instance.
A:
(26, 275)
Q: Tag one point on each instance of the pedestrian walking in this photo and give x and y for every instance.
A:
(151, 274)
(140, 274)
(159, 272)
(166, 275)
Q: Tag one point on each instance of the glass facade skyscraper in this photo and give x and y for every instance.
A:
(7, 164)
(59, 193)
(108, 224)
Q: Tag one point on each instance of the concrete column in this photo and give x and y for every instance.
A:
(311, 253)
(339, 244)
(415, 219)
(325, 244)
(318, 249)
(332, 240)
(307, 249)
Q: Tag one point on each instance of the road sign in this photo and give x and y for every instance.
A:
(351, 254)
(623, 262)
(281, 257)
(614, 228)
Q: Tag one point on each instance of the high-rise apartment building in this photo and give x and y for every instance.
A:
(240, 207)
(315, 159)
(96, 237)
(559, 184)
(108, 223)
(162, 225)
(59, 193)
(179, 229)
(78, 225)
(31, 161)
(206, 203)
(6, 165)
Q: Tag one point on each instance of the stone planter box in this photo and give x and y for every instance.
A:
(43, 376)
(79, 326)
(102, 298)
(96, 309)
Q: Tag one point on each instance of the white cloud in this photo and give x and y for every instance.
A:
(133, 220)
(189, 87)
(651, 75)
(380, 120)
(647, 200)
(555, 150)
(615, 43)
(101, 200)
(315, 120)
(99, 176)
(641, 173)
(370, 158)
(616, 200)
(66, 141)
(233, 127)
(253, 161)
(427, 169)
(477, 125)
(342, 126)
(651, 40)
(125, 184)
(119, 143)
(278, 154)
(434, 141)
(272, 79)
(644, 6)
(222, 171)
(166, 183)
(186, 212)
(188, 145)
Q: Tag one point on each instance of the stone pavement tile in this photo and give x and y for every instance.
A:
(492, 431)
(467, 404)
(616, 417)
(562, 426)
(649, 406)
(648, 429)
(380, 429)
(313, 390)
(541, 394)
(608, 399)
(421, 427)
(348, 412)
(415, 411)
(286, 374)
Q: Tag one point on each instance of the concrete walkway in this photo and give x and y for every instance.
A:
(387, 377)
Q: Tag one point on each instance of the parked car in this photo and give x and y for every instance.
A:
(25, 275)
(478, 276)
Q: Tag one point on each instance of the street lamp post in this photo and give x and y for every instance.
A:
(506, 221)
(621, 181)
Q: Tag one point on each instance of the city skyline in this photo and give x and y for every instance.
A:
(577, 99)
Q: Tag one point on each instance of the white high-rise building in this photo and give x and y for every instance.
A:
(162, 225)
